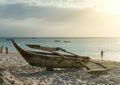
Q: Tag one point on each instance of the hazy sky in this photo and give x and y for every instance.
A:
(60, 18)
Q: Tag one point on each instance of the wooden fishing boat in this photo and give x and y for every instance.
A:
(49, 60)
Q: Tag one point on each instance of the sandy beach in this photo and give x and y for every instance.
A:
(14, 70)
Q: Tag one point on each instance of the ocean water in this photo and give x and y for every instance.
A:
(87, 46)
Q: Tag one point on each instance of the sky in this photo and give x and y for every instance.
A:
(59, 18)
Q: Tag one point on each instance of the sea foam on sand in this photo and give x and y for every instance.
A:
(14, 70)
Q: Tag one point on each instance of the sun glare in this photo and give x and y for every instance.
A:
(110, 6)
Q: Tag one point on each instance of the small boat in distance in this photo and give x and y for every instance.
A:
(56, 40)
(9, 39)
(50, 60)
(66, 41)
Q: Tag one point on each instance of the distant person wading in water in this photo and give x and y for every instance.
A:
(102, 53)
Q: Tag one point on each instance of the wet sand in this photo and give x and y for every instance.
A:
(14, 70)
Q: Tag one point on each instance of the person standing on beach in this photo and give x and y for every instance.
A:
(102, 53)
(1, 49)
(6, 50)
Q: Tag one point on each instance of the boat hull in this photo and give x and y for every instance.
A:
(54, 61)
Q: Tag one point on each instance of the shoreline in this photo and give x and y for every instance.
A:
(94, 59)
(14, 69)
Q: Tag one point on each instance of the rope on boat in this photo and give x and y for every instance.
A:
(69, 52)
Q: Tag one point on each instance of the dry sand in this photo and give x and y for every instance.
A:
(14, 70)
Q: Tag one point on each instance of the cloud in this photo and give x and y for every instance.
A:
(55, 3)
(12, 31)
(19, 18)
(81, 23)
(21, 11)
(32, 27)
(2, 1)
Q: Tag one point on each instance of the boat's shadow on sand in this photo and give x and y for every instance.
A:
(42, 73)
(34, 74)
(68, 72)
